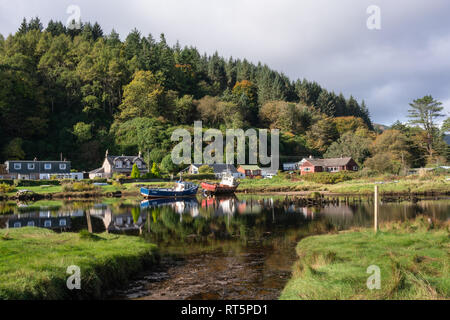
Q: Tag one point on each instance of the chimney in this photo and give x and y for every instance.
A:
(106, 153)
(35, 159)
(310, 156)
(140, 154)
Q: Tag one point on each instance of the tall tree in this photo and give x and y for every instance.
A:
(423, 112)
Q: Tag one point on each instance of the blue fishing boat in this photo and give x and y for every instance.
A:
(182, 189)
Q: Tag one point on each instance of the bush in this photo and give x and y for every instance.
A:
(7, 181)
(328, 178)
(6, 188)
(35, 183)
(78, 187)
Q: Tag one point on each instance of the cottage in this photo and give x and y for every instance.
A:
(219, 169)
(250, 171)
(35, 170)
(311, 165)
(119, 164)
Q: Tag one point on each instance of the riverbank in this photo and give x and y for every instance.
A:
(412, 257)
(293, 185)
(33, 263)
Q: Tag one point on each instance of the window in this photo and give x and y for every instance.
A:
(62, 222)
(17, 224)
(31, 166)
(17, 166)
(47, 166)
(306, 169)
(62, 166)
(355, 168)
(138, 163)
(118, 164)
(30, 224)
(47, 223)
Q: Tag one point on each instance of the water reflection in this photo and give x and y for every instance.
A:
(226, 248)
(216, 216)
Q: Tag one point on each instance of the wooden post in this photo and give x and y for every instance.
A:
(375, 204)
(89, 222)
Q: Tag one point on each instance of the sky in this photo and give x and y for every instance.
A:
(327, 41)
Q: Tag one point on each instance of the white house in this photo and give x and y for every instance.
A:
(219, 170)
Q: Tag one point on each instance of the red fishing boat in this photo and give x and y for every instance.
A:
(228, 184)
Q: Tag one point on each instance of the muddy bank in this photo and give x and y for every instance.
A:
(60, 195)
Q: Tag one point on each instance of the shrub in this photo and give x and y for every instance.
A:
(35, 183)
(78, 187)
(7, 181)
(328, 178)
(6, 188)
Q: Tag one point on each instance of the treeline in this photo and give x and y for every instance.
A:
(78, 92)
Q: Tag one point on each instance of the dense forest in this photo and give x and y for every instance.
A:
(79, 92)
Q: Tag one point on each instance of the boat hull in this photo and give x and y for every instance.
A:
(217, 188)
(168, 193)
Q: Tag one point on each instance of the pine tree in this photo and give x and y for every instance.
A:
(135, 173)
(23, 27)
(97, 32)
(155, 170)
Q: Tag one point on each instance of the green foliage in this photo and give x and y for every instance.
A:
(155, 171)
(328, 178)
(350, 145)
(80, 92)
(82, 131)
(33, 183)
(78, 187)
(6, 188)
(135, 173)
(168, 166)
(205, 169)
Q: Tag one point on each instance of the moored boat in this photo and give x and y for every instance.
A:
(182, 189)
(227, 185)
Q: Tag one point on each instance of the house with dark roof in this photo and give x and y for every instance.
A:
(119, 164)
(311, 165)
(219, 169)
(35, 170)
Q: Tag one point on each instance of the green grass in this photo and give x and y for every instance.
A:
(33, 262)
(413, 260)
(365, 186)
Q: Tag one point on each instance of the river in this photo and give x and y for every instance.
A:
(215, 248)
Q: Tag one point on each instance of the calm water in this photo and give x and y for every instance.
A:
(213, 248)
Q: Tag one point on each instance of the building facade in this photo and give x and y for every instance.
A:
(119, 164)
(35, 170)
(250, 171)
(219, 169)
(311, 165)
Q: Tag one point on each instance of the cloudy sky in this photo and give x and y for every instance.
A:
(323, 40)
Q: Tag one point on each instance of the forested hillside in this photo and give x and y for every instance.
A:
(80, 92)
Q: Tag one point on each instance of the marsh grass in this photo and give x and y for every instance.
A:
(413, 257)
(33, 263)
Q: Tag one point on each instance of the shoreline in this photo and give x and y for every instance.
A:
(333, 265)
(35, 261)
